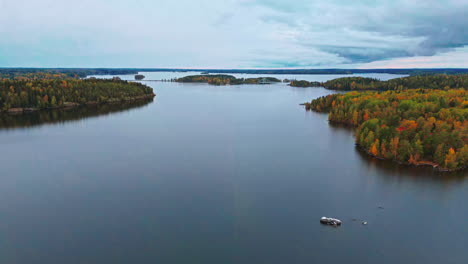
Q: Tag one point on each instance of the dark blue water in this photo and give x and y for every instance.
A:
(207, 174)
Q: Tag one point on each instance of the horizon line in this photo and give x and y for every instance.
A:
(236, 69)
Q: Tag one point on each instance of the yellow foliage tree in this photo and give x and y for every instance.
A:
(374, 148)
(451, 159)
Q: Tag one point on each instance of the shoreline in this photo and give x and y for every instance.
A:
(434, 165)
(70, 105)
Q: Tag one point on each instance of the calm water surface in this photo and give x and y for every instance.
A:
(208, 174)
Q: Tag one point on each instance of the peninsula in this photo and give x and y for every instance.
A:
(439, 81)
(24, 94)
(414, 126)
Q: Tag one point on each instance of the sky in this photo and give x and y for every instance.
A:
(234, 33)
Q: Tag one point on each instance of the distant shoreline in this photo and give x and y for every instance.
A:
(84, 72)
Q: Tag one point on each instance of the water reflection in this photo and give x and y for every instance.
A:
(389, 168)
(238, 174)
(341, 127)
(59, 116)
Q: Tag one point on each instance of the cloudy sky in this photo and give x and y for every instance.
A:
(234, 33)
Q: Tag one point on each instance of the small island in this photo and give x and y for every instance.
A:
(413, 126)
(296, 83)
(22, 94)
(139, 77)
(224, 79)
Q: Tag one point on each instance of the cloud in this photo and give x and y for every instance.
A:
(364, 31)
(223, 19)
(226, 34)
(452, 59)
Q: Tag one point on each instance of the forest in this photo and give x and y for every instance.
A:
(223, 79)
(441, 81)
(296, 83)
(23, 94)
(415, 126)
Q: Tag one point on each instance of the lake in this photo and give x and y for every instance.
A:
(216, 174)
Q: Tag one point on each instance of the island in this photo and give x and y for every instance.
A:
(139, 77)
(411, 126)
(24, 94)
(223, 79)
(296, 83)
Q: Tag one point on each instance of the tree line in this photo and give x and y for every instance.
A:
(418, 126)
(84, 72)
(59, 73)
(336, 71)
(303, 83)
(440, 81)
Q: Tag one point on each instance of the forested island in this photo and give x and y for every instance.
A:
(296, 83)
(26, 95)
(441, 81)
(417, 126)
(223, 79)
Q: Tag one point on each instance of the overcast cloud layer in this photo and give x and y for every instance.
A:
(234, 33)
